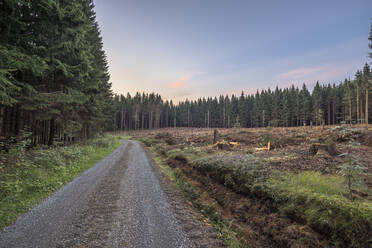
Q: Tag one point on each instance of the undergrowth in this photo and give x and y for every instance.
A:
(322, 202)
(186, 154)
(28, 176)
(238, 172)
(319, 200)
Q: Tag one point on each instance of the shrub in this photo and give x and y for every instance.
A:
(187, 154)
(352, 172)
(148, 141)
(239, 172)
(103, 141)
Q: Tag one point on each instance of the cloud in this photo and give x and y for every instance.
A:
(327, 73)
(300, 73)
(181, 82)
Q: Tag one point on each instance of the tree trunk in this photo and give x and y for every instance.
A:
(175, 118)
(350, 109)
(1, 120)
(188, 117)
(215, 136)
(357, 102)
(329, 113)
(334, 113)
(224, 117)
(142, 121)
(122, 119)
(208, 118)
(51, 132)
(367, 105)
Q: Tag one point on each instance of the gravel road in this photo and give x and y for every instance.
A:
(122, 201)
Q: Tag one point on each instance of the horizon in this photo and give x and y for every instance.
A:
(208, 50)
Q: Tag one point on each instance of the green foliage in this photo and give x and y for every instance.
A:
(148, 141)
(186, 154)
(345, 133)
(103, 141)
(238, 172)
(352, 172)
(53, 71)
(318, 200)
(321, 201)
(266, 135)
(40, 171)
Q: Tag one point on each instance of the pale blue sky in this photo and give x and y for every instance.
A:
(189, 48)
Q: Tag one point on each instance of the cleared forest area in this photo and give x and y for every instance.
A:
(311, 187)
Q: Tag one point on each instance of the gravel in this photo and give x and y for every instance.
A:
(119, 202)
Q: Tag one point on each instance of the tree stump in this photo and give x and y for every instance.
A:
(328, 148)
(223, 146)
(215, 136)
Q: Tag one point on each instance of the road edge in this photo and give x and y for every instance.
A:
(193, 223)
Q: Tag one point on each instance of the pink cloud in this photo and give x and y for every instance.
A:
(179, 83)
(324, 73)
(301, 72)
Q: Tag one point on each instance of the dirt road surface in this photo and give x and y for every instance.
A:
(122, 201)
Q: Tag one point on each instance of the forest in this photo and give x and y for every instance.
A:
(346, 102)
(54, 84)
(80, 164)
(54, 80)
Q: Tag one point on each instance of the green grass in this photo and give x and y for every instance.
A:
(309, 197)
(321, 201)
(186, 154)
(43, 171)
(124, 137)
(148, 141)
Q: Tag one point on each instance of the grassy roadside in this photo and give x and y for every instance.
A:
(192, 193)
(36, 174)
(318, 200)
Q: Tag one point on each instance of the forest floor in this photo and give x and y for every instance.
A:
(293, 195)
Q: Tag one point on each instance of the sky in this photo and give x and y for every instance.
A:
(200, 48)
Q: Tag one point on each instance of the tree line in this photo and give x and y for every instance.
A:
(54, 85)
(346, 102)
(54, 80)
(330, 104)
